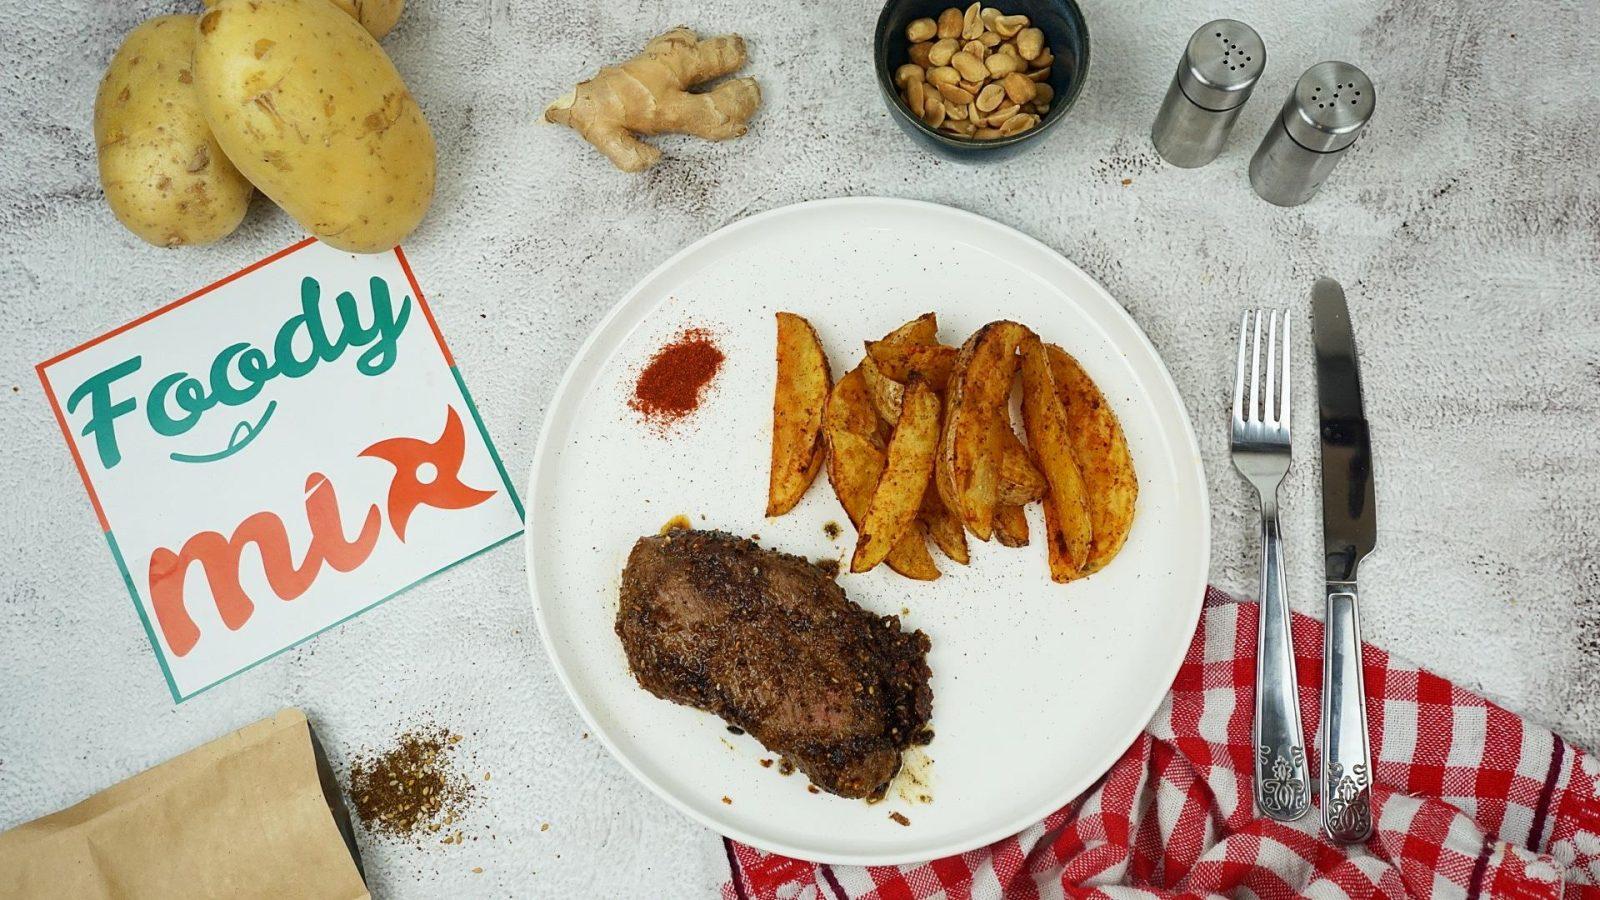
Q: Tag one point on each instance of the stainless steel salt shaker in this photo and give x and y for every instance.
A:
(1219, 69)
(1323, 116)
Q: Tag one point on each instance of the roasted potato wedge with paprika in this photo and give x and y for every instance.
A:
(855, 465)
(977, 414)
(798, 401)
(900, 360)
(1102, 454)
(1020, 482)
(924, 329)
(884, 392)
(944, 527)
(1011, 525)
(907, 470)
(1068, 530)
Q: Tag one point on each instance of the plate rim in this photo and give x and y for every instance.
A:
(560, 397)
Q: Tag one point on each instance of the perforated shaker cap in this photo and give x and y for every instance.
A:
(1330, 105)
(1221, 65)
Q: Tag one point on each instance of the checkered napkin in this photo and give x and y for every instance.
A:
(1469, 800)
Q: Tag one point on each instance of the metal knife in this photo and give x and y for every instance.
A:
(1349, 532)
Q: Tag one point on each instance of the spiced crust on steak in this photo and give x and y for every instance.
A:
(770, 643)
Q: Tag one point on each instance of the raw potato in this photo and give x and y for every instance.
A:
(898, 496)
(798, 401)
(855, 463)
(378, 17)
(650, 94)
(164, 175)
(976, 415)
(1103, 458)
(307, 105)
(1068, 529)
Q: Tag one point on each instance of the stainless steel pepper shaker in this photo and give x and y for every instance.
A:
(1323, 116)
(1219, 69)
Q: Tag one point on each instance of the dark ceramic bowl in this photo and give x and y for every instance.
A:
(1065, 34)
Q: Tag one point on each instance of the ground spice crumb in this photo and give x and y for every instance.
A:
(545, 827)
(403, 792)
(1127, 181)
(832, 530)
(899, 818)
(786, 767)
(812, 789)
(672, 384)
(766, 764)
(486, 776)
(727, 801)
(477, 870)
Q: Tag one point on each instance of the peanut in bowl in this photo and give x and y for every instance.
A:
(987, 81)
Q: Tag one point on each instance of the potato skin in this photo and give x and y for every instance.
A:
(311, 110)
(164, 174)
(378, 17)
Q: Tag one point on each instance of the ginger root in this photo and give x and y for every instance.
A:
(649, 94)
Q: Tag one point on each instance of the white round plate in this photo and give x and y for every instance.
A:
(1037, 687)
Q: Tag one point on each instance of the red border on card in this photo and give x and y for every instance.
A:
(61, 418)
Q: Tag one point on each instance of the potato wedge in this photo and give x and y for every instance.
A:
(944, 527)
(906, 472)
(1011, 525)
(924, 329)
(899, 360)
(798, 401)
(1068, 530)
(855, 464)
(885, 393)
(1102, 454)
(1020, 482)
(977, 414)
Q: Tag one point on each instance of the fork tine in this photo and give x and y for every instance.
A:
(1270, 410)
(1283, 402)
(1255, 374)
(1238, 377)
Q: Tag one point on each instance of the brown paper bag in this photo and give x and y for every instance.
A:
(253, 814)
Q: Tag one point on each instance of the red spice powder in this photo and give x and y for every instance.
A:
(672, 384)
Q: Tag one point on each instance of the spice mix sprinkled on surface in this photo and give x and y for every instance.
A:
(673, 383)
(411, 790)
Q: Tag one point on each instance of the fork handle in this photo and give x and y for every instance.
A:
(1346, 755)
(1282, 781)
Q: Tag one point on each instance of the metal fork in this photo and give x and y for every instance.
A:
(1260, 443)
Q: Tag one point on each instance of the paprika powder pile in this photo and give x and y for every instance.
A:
(673, 383)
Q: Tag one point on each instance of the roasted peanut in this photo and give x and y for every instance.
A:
(921, 30)
(1044, 59)
(954, 112)
(975, 48)
(972, 22)
(1018, 123)
(988, 15)
(1008, 26)
(1019, 88)
(918, 53)
(943, 75)
(1038, 75)
(965, 128)
(987, 134)
(1029, 42)
(1043, 93)
(939, 54)
(1000, 65)
(956, 95)
(971, 87)
(909, 72)
(989, 39)
(933, 111)
(989, 98)
(999, 116)
(970, 67)
(916, 97)
(950, 22)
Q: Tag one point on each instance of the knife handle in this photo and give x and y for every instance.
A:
(1346, 755)
(1282, 781)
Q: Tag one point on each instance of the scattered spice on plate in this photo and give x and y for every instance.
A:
(673, 383)
(411, 789)
(812, 789)
(832, 530)
(727, 801)
(766, 764)
(898, 817)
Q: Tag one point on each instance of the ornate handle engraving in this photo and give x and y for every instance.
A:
(1349, 801)
(1283, 791)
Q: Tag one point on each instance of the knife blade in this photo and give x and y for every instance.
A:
(1349, 533)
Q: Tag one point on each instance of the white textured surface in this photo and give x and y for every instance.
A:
(1465, 227)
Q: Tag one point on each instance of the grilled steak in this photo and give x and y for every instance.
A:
(771, 644)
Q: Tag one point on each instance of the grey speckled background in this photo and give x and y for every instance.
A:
(1465, 226)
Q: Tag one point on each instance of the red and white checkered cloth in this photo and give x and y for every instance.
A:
(1470, 800)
